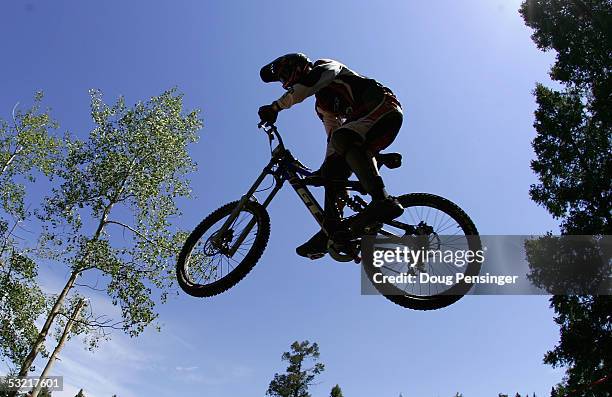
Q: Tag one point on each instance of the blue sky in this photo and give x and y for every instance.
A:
(464, 72)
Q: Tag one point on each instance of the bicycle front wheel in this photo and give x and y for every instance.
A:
(445, 227)
(211, 263)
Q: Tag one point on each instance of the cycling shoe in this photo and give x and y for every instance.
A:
(315, 247)
(377, 211)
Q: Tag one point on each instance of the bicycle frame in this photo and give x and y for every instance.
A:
(284, 167)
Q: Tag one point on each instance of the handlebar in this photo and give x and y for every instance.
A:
(272, 132)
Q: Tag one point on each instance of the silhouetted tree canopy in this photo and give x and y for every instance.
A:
(574, 168)
(573, 145)
(301, 371)
(570, 265)
(336, 392)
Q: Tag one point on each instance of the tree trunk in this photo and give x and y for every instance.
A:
(58, 348)
(9, 161)
(42, 335)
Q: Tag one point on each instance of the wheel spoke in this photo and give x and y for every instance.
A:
(450, 230)
(209, 261)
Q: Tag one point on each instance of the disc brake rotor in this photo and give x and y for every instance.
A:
(219, 244)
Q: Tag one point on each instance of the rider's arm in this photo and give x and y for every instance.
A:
(320, 76)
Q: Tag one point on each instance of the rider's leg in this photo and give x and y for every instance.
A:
(349, 144)
(333, 168)
(361, 161)
(356, 150)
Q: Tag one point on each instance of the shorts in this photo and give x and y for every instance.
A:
(377, 129)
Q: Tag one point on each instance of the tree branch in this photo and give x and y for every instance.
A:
(136, 232)
(95, 323)
(18, 148)
(8, 236)
(90, 287)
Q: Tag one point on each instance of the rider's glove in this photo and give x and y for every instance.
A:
(268, 113)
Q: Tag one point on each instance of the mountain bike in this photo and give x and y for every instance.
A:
(228, 243)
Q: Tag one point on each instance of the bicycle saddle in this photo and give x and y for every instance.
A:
(389, 160)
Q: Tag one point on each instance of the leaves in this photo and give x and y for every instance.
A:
(27, 147)
(573, 163)
(579, 31)
(123, 179)
(21, 302)
(567, 265)
(585, 340)
(574, 168)
(336, 391)
(573, 144)
(298, 378)
(118, 189)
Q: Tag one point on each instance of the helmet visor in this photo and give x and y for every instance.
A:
(270, 72)
(284, 68)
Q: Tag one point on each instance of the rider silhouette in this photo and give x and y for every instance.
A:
(361, 117)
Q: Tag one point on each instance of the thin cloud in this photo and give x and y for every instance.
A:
(193, 368)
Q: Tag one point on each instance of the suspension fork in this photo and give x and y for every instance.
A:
(278, 185)
(252, 222)
(247, 196)
(302, 191)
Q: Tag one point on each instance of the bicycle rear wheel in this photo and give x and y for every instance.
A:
(206, 267)
(443, 224)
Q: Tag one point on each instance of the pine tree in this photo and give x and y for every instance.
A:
(574, 166)
(337, 392)
(298, 377)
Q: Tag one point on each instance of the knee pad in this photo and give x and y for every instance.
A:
(335, 167)
(343, 139)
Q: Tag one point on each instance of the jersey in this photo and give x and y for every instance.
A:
(341, 94)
